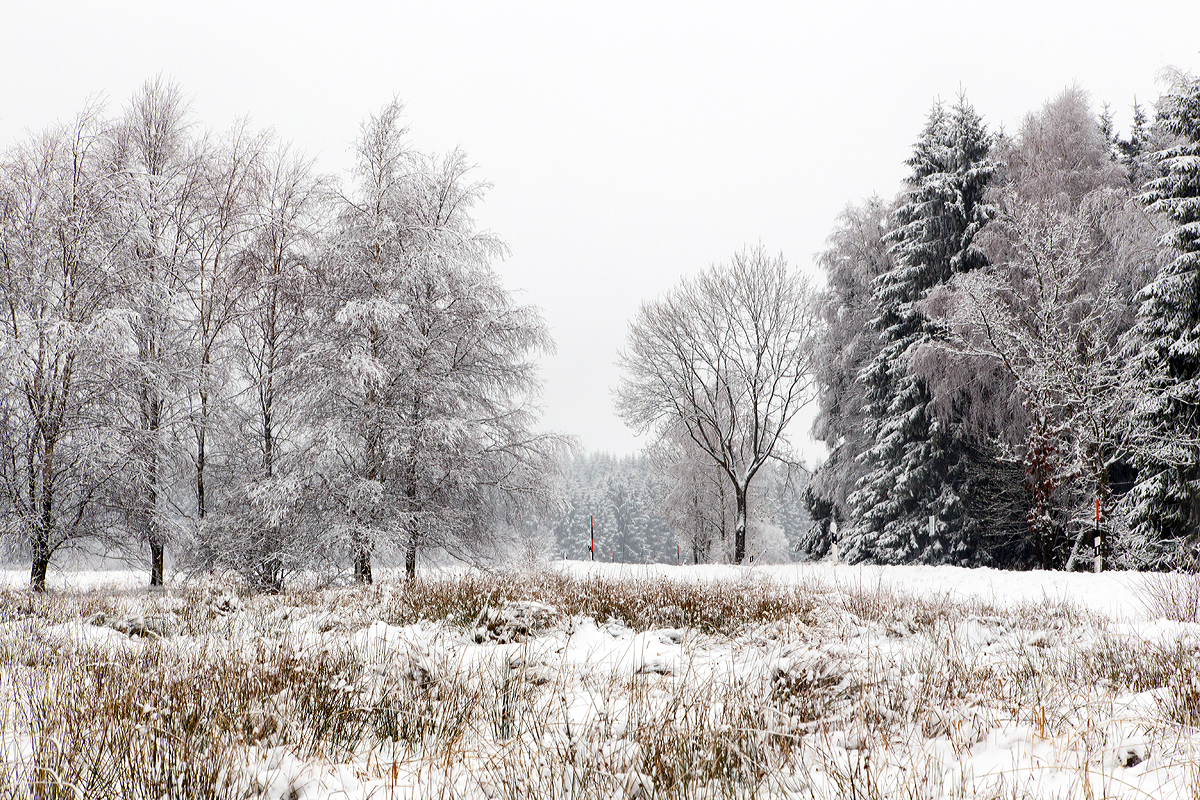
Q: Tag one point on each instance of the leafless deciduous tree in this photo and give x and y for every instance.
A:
(430, 433)
(727, 357)
(163, 169)
(59, 335)
(698, 499)
(221, 233)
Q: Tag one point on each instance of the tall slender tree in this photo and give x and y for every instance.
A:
(217, 242)
(919, 465)
(162, 165)
(431, 405)
(268, 521)
(1167, 507)
(856, 255)
(60, 335)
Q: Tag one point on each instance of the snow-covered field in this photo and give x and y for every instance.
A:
(586, 680)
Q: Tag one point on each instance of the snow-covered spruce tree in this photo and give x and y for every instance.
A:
(855, 256)
(1167, 507)
(429, 433)
(60, 336)
(920, 465)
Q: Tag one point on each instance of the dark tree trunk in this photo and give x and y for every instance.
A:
(37, 577)
(1046, 541)
(410, 554)
(362, 562)
(271, 574)
(201, 446)
(152, 417)
(739, 541)
(156, 564)
(41, 562)
(153, 535)
(44, 524)
(410, 492)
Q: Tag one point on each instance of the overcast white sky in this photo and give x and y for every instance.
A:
(629, 143)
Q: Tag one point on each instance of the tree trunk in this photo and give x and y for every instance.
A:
(362, 564)
(362, 557)
(152, 532)
(152, 417)
(1046, 546)
(37, 576)
(410, 555)
(271, 572)
(739, 541)
(156, 564)
(201, 437)
(44, 523)
(41, 556)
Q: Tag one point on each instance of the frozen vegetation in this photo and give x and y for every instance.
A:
(577, 680)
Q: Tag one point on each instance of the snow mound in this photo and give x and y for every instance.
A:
(516, 621)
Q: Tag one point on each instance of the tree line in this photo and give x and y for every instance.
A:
(637, 510)
(208, 345)
(1009, 365)
(1005, 357)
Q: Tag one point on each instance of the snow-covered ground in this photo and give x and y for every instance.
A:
(868, 682)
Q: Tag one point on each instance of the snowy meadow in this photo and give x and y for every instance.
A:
(580, 680)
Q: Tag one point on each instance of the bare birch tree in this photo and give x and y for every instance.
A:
(728, 357)
(163, 181)
(263, 534)
(217, 242)
(59, 334)
(431, 420)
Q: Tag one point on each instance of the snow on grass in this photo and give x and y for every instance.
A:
(1114, 594)
(586, 680)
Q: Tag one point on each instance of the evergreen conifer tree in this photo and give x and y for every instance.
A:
(1167, 497)
(919, 466)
